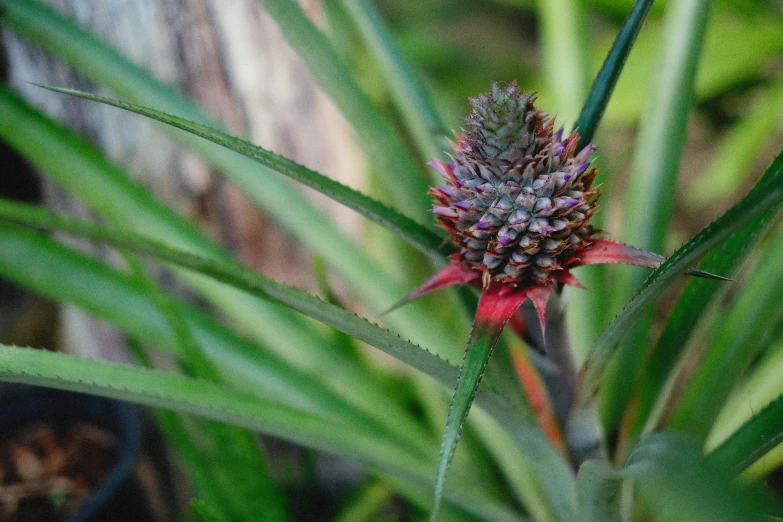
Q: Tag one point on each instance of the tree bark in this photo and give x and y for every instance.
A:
(232, 59)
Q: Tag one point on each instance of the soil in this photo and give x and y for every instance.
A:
(47, 471)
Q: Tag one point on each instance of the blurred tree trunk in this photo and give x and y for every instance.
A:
(231, 58)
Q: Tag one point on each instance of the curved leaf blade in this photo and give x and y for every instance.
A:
(407, 92)
(762, 433)
(604, 83)
(50, 269)
(112, 194)
(257, 285)
(747, 329)
(598, 487)
(767, 194)
(688, 310)
(416, 235)
(656, 165)
(239, 277)
(679, 484)
(494, 310)
(186, 395)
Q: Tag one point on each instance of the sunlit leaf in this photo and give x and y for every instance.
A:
(762, 433)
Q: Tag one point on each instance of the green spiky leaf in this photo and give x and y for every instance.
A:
(650, 198)
(186, 395)
(494, 310)
(748, 328)
(767, 194)
(415, 234)
(686, 316)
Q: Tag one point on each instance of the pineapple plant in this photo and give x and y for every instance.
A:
(516, 205)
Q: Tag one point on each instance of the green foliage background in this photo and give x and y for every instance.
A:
(693, 123)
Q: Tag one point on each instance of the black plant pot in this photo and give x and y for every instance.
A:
(25, 405)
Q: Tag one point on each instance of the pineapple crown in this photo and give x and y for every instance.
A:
(518, 197)
(505, 124)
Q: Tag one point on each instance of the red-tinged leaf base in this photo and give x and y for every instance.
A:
(496, 306)
(608, 251)
(451, 274)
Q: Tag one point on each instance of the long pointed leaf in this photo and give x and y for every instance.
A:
(683, 320)
(416, 108)
(185, 395)
(650, 196)
(494, 311)
(762, 433)
(747, 329)
(244, 279)
(57, 272)
(415, 234)
(108, 191)
(767, 194)
(604, 83)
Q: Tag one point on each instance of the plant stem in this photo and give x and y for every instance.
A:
(557, 367)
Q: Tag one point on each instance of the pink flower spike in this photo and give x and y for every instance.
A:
(539, 295)
(451, 274)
